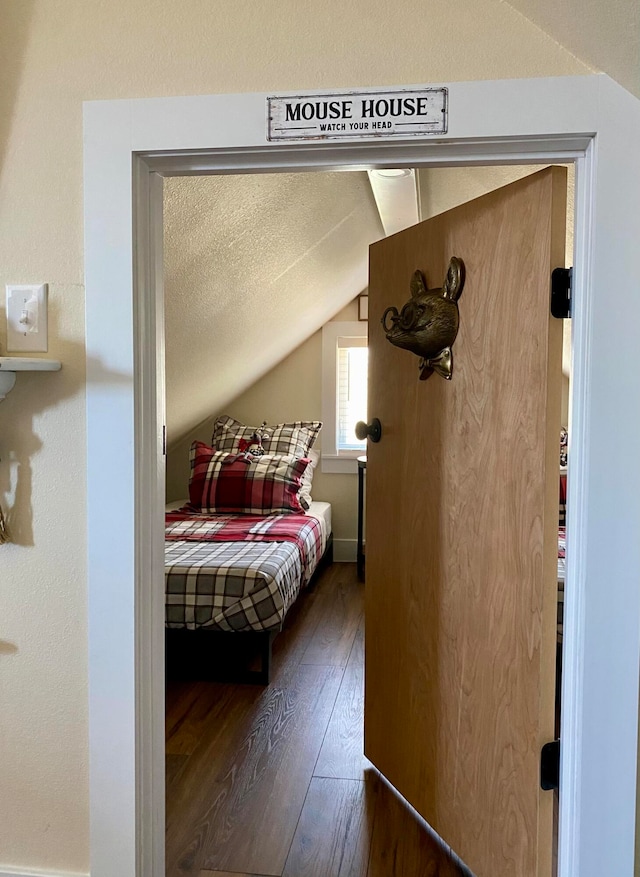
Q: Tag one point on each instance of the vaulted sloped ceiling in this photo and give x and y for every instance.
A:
(603, 33)
(253, 266)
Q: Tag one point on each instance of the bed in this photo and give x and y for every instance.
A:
(239, 552)
(562, 549)
(231, 574)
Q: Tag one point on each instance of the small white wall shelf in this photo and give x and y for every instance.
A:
(9, 365)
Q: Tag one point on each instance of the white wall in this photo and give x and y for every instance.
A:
(53, 55)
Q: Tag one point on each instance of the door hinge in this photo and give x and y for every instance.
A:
(561, 283)
(164, 440)
(550, 766)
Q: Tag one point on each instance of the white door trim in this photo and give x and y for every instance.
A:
(129, 145)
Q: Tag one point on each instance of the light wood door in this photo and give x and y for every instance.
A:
(462, 515)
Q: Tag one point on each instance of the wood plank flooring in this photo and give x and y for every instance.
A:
(271, 781)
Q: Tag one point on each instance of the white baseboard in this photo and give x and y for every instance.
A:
(344, 551)
(30, 872)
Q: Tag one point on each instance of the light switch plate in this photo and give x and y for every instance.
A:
(27, 317)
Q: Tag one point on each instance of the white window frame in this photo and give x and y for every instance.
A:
(333, 460)
(129, 145)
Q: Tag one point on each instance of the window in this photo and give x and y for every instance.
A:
(353, 359)
(344, 394)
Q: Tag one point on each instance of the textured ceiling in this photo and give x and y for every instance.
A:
(603, 33)
(254, 265)
(258, 263)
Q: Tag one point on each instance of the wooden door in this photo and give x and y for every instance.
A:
(462, 515)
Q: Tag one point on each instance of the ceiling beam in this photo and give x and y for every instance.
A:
(396, 193)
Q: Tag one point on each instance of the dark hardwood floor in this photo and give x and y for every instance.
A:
(271, 781)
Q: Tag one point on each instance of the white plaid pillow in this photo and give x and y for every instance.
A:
(307, 479)
(294, 439)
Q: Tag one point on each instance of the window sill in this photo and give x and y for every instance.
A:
(340, 465)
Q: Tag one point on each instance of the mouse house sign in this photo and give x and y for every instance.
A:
(358, 114)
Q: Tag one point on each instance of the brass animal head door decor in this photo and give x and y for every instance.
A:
(428, 323)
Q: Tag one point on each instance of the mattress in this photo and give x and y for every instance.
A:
(322, 511)
(239, 585)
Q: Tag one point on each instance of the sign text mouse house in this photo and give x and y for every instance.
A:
(366, 114)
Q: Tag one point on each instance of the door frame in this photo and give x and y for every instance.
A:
(129, 145)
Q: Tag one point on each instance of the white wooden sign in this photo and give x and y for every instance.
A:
(358, 114)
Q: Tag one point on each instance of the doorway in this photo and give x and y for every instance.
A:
(217, 790)
(126, 696)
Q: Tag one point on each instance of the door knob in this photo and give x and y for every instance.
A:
(373, 430)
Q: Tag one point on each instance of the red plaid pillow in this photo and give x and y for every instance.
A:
(294, 439)
(222, 483)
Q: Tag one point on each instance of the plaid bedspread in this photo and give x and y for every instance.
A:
(237, 572)
(562, 547)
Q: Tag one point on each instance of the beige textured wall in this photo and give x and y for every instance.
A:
(290, 391)
(605, 35)
(53, 55)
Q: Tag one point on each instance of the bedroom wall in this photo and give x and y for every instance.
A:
(290, 391)
(53, 55)
(242, 256)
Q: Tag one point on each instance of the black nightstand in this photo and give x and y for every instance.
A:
(362, 468)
